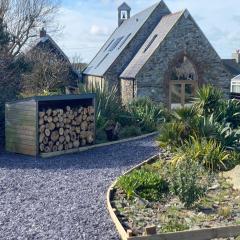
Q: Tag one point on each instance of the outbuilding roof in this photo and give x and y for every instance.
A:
(47, 38)
(237, 78)
(152, 43)
(232, 66)
(121, 37)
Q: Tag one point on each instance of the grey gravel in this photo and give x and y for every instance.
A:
(64, 197)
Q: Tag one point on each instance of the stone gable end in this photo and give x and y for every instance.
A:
(118, 66)
(185, 38)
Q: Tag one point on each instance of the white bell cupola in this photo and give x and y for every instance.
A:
(124, 13)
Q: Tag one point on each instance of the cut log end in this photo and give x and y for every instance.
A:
(64, 129)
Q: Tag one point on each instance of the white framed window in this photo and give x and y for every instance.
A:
(235, 87)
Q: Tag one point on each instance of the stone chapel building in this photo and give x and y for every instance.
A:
(158, 54)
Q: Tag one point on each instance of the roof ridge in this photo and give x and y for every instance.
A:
(48, 37)
(175, 13)
(146, 9)
(139, 20)
(126, 73)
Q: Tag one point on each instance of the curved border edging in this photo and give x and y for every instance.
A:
(200, 234)
(123, 234)
(82, 149)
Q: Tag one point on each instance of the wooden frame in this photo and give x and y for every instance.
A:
(183, 84)
(201, 234)
(22, 126)
(177, 72)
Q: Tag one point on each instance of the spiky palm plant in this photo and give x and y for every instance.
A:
(210, 153)
(230, 112)
(173, 134)
(147, 114)
(208, 100)
(108, 105)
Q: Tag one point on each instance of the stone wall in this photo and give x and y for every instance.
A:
(128, 90)
(112, 75)
(184, 39)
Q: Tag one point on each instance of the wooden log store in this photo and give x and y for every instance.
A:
(52, 124)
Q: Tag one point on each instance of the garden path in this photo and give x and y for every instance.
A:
(64, 197)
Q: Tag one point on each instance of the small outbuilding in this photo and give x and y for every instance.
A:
(50, 125)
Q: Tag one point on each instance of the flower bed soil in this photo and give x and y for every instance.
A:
(220, 208)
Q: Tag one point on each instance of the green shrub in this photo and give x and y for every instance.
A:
(209, 153)
(189, 181)
(146, 184)
(173, 134)
(208, 100)
(146, 114)
(234, 160)
(130, 131)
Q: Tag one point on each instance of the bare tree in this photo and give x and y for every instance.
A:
(78, 63)
(47, 72)
(24, 18)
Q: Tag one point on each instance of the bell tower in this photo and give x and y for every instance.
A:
(124, 12)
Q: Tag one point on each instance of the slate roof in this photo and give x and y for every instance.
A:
(152, 43)
(232, 66)
(48, 43)
(124, 6)
(43, 40)
(117, 42)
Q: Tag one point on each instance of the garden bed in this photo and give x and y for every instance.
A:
(215, 215)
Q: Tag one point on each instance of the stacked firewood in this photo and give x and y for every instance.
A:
(64, 129)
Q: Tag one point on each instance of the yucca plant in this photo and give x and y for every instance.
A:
(173, 134)
(208, 100)
(207, 127)
(210, 153)
(228, 137)
(230, 112)
(108, 105)
(185, 114)
(147, 114)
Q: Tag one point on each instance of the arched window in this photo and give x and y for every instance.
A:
(183, 83)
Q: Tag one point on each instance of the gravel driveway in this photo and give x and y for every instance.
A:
(64, 197)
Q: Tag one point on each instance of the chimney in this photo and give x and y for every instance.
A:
(43, 33)
(123, 13)
(236, 56)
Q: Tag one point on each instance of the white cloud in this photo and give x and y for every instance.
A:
(99, 30)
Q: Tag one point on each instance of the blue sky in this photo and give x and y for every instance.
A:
(88, 23)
